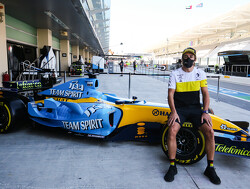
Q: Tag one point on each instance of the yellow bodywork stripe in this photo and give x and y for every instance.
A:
(90, 99)
(223, 125)
(137, 113)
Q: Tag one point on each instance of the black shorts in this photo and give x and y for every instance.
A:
(190, 114)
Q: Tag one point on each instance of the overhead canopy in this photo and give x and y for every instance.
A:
(58, 16)
(224, 27)
(233, 53)
(218, 33)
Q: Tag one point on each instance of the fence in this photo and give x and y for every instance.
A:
(156, 73)
(238, 70)
(142, 71)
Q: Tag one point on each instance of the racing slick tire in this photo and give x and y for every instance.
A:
(11, 112)
(190, 145)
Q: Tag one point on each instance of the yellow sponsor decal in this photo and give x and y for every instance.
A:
(25, 85)
(9, 115)
(232, 150)
(163, 139)
(183, 161)
(187, 124)
(140, 130)
(243, 137)
(61, 99)
(142, 136)
(203, 140)
(140, 124)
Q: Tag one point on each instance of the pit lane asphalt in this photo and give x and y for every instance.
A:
(231, 87)
(52, 158)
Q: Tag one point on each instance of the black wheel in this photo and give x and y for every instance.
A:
(190, 145)
(6, 117)
(12, 112)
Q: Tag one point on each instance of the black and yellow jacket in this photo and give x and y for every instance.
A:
(187, 86)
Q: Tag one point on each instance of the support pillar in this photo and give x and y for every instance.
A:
(82, 53)
(44, 37)
(87, 55)
(65, 55)
(90, 56)
(75, 53)
(3, 46)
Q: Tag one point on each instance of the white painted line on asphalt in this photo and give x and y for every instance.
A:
(229, 92)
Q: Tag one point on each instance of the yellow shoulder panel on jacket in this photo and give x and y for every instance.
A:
(188, 86)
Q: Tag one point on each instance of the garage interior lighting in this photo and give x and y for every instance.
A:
(57, 20)
(64, 33)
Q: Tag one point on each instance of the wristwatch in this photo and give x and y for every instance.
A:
(205, 111)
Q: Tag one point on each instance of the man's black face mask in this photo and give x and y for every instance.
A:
(188, 63)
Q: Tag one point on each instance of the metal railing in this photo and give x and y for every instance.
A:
(238, 69)
(155, 73)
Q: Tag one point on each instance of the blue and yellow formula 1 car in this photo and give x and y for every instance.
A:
(78, 107)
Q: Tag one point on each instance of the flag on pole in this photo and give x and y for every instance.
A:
(189, 7)
(199, 5)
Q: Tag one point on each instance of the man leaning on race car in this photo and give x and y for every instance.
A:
(184, 101)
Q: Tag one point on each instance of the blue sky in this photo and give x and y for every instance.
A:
(141, 24)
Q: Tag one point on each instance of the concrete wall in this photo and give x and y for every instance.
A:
(3, 46)
(20, 32)
(55, 43)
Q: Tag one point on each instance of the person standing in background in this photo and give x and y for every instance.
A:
(134, 65)
(121, 67)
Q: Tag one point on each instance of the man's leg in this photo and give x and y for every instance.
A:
(210, 150)
(209, 142)
(171, 141)
(172, 147)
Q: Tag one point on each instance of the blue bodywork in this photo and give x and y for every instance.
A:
(78, 107)
(87, 118)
